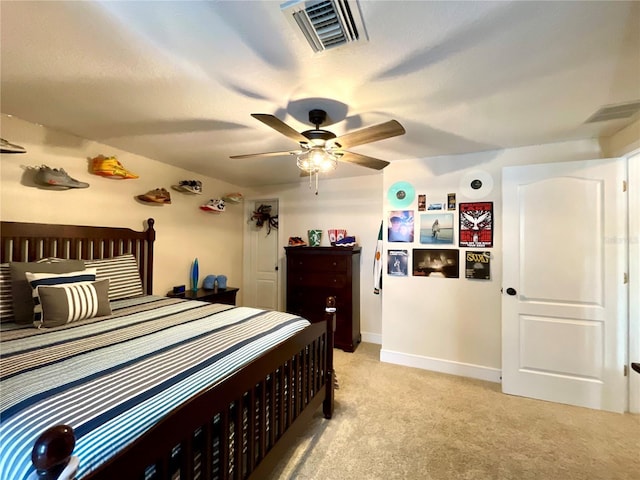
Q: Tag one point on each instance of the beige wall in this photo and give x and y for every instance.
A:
(183, 230)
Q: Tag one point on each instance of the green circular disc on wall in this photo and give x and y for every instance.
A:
(401, 194)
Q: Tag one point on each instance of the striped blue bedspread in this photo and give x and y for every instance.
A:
(112, 378)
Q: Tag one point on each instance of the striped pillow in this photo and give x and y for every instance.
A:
(70, 302)
(123, 274)
(6, 301)
(37, 280)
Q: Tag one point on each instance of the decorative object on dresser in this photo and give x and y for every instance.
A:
(216, 295)
(209, 282)
(313, 273)
(315, 237)
(195, 273)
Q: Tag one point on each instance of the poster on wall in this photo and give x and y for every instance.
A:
(477, 265)
(436, 228)
(398, 263)
(435, 263)
(451, 201)
(476, 224)
(422, 203)
(400, 226)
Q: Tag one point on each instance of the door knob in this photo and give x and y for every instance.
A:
(511, 291)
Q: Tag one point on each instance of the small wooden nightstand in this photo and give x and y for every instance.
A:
(217, 295)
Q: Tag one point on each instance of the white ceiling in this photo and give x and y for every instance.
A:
(177, 81)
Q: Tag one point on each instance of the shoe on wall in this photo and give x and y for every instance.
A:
(110, 167)
(215, 205)
(235, 197)
(56, 177)
(158, 195)
(189, 186)
(8, 147)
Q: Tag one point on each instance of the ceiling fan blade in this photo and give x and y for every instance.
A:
(267, 154)
(369, 134)
(362, 160)
(277, 124)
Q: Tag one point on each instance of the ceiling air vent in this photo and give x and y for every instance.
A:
(615, 112)
(326, 23)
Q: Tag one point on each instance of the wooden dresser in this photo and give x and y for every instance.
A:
(313, 274)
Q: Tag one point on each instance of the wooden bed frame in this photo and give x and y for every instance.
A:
(237, 429)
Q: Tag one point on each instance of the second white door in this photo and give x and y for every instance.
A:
(564, 307)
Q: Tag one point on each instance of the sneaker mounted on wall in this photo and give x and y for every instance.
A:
(56, 177)
(158, 196)
(189, 186)
(8, 147)
(110, 167)
(235, 197)
(215, 205)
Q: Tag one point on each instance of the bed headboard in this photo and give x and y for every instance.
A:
(28, 242)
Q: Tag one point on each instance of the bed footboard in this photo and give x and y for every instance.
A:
(237, 429)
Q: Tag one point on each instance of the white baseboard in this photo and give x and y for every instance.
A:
(443, 366)
(372, 338)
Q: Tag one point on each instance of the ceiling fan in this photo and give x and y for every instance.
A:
(320, 150)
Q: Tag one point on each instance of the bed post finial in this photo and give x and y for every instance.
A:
(330, 319)
(52, 451)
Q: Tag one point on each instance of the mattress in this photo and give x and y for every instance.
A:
(112, 378)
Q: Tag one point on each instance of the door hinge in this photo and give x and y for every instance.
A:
(626, 278)
(624, 185)
(626, 370)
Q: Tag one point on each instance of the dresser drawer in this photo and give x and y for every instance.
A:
(313, 279)
(317, 299)
(323, 263)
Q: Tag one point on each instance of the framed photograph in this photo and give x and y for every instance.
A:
(400, 226)
(451, 201)
(476, 224)
(436, 263)
(477, 265)
(398, 263)
(422, 203)
(436, 228)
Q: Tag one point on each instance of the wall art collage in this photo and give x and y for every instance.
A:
(433, 227)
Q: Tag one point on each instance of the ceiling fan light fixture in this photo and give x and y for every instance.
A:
(317, 160)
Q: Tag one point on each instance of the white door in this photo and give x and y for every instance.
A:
(564, 304)
(261, 276)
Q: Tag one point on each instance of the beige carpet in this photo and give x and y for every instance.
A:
(394, 422)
